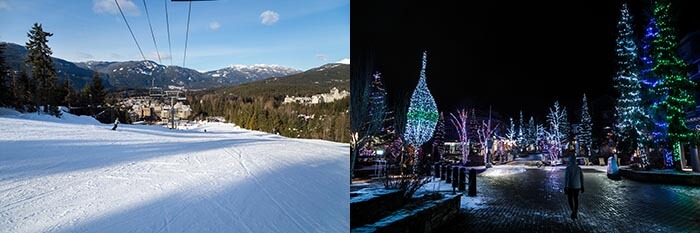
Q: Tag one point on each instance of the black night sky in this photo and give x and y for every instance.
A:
(514, 56)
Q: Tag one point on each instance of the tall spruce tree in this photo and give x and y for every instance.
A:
(679, 89)
(531, 132)
(439, 137)
(631, 117)
(97, 90)
(521, 135)
(565, 129)
(39, 57)
(5, 90)
(585, 128)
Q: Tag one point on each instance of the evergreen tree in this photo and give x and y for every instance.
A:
(652, 96)
(510, 134)
(86, 99)
(39, 57)
(69, 95)
(97, 90)
(565, 129)
(531, 132)
(631, 117)
(5, 90)
(24, 89)
(584, 136)
(679, 89)
(439, 137)
(521, 136)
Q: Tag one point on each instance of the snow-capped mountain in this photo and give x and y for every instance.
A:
(139, 74)
(238, 74)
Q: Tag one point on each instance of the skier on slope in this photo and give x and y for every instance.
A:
(116, 122)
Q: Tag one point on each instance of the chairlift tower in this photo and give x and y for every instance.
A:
(173, 95)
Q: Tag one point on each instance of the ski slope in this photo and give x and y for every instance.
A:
(76, 175)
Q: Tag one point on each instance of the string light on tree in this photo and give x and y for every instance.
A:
(585, 133)
(675, 83)
(631, 117)
(422, 113)
(460, 122)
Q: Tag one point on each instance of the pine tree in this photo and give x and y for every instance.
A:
(510, 134)
(521, 136)
(586, 126)
(631, 117)
(97, 91)
(5, 91)
(531, 132)
(652, 96)
(39, 57)
(86, 100)
(679, 89)
(67, 93)
(378, 107)
(565, 129)
(422, 113)
(439, 137)
(24, 89)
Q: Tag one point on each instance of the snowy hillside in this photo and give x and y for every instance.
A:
(76, 175)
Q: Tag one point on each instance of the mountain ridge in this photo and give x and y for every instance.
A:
(142, 73)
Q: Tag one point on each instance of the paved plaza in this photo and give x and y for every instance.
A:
(532, 200)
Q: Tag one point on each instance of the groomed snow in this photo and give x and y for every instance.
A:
(76, 175)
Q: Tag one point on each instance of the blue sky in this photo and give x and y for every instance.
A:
(297, 33)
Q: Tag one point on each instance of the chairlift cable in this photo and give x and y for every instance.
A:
(189, 12)
(151, 27)
(132, 32)
(167, 23)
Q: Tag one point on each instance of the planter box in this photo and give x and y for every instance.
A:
(370, 205)
(686, 178)
(424, 219)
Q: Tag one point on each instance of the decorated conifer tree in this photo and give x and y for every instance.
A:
(631, 117)
(585, 128)
(439, 137)
(676, 85)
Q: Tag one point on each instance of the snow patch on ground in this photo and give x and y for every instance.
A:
(73, 174)
(503, 170)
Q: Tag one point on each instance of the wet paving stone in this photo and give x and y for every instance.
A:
(534, 201)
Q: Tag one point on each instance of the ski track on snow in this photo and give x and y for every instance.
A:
(67, 175)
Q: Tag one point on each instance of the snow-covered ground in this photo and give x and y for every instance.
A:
(76, 175)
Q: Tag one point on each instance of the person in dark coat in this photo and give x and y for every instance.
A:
(573, 183)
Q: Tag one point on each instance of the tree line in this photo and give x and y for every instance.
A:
(36, 88)
(327, 121)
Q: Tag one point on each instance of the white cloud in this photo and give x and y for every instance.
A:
(344, 61)
(153, 56)
(269, 17)
(323, 57)
(4, 5)
(109, 7)
(214, 25)
(83, 55)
